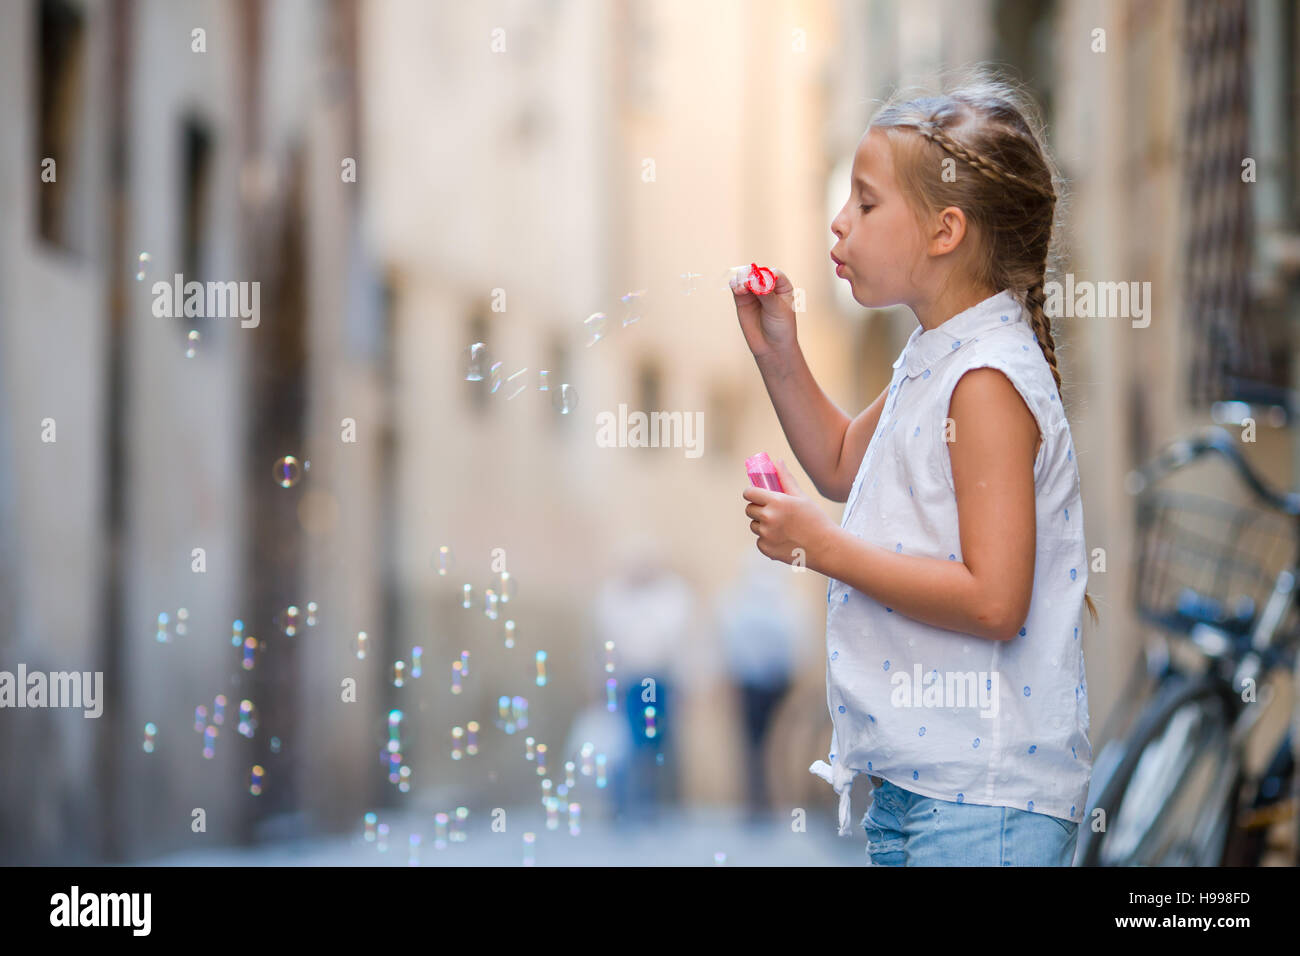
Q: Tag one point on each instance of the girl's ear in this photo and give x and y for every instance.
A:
(950, 229)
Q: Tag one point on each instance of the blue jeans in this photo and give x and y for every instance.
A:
(908, 829)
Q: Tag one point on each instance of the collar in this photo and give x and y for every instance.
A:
(924, 348)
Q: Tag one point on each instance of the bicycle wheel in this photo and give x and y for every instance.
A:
(1169, 803)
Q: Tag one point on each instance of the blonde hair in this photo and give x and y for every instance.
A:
(988, 125)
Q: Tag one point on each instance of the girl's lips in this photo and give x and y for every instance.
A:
(839, 270)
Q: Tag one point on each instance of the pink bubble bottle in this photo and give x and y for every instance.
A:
(762, 472)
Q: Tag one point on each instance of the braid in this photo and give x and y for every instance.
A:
(1036, 294)
(931, 131)
(1035, 301)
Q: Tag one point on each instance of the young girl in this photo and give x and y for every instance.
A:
(955, 674)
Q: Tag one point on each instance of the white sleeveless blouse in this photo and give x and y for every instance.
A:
(943, 714)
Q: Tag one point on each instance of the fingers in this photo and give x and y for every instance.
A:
(753, 526)
(760, 496)
(754, 511)
(788, 481)
(783, 284)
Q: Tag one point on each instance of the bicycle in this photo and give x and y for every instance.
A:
(1170, 789)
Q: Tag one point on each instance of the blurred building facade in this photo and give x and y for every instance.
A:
(518, 168)
(210, 136)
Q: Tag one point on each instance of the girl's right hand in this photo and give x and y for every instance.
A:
(767, 321)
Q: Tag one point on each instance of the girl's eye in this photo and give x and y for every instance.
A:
(866, 208)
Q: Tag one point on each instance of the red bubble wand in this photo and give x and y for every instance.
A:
(761, 280)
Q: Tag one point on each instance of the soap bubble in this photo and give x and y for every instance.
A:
(688, 282)
(594, 326)
(193, 340)
(516, 383)
(445, 561)
(361, 645)
(142, 264)
(507, 589)
(255, 780)
(150, 735)
(565, 399)
(476, 360)
(494, 377)
(632, 306)
(543, 381)
(286, 472)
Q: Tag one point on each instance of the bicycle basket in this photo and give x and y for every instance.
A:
(1202, 559)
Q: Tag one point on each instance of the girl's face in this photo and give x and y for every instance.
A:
(880, 242)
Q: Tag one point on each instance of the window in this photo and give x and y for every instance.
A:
(650, 386)
(60, 62)
(1236, 291)
(196, 180)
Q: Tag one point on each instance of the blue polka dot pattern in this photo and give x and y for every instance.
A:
(842, 708)
(1073, 574)
(1031, 806)
(1072, 809)
(957, 344)
(961, 798)
(902, 492)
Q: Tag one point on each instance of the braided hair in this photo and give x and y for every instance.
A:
(990, 128)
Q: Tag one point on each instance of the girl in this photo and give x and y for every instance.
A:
(955, 674)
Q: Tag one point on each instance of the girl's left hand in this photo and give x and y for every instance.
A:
(789, 526)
